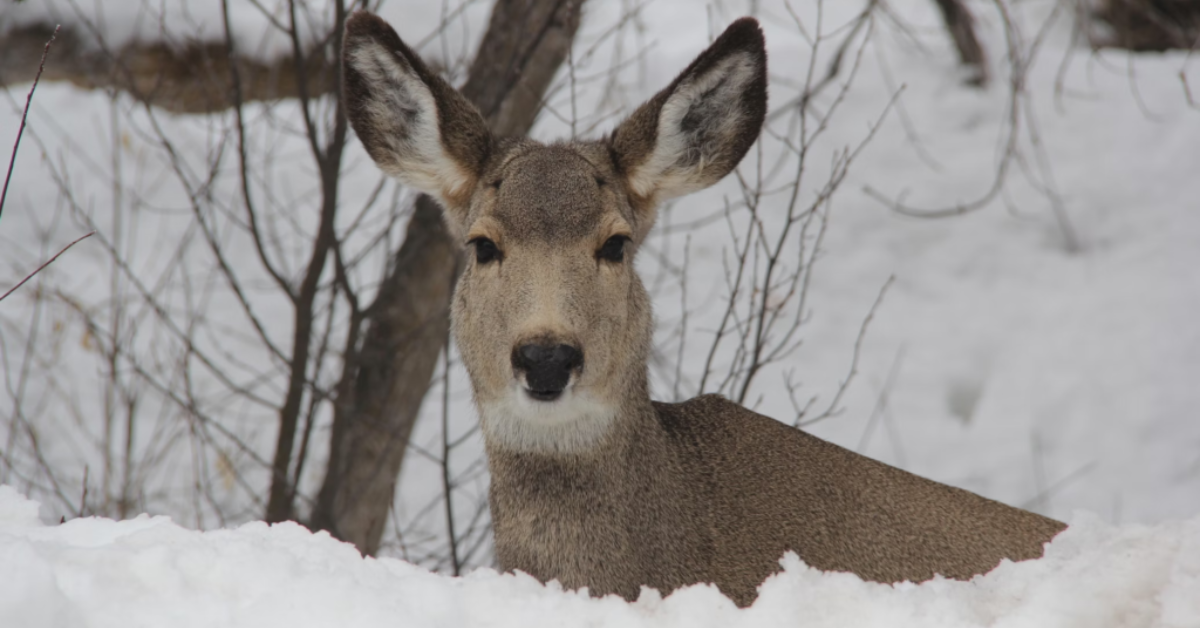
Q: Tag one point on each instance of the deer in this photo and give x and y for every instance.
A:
(593, 483)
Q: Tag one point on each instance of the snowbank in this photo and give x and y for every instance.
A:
(151, 572)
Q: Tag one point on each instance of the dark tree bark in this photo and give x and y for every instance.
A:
(385, 381)
(193, 77)
(961, 25)
(1147, 25)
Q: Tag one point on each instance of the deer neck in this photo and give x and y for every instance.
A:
(576, 477)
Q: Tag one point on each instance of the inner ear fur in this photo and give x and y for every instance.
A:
(694, 132)
(414, 125)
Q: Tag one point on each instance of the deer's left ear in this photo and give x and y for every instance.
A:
(695, 131)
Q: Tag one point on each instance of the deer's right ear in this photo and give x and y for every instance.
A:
(414, 125)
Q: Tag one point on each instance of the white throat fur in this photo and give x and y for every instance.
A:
(576, 422)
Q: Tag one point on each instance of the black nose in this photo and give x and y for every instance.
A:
(547, 368)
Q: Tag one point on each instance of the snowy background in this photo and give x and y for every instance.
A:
(999, 360)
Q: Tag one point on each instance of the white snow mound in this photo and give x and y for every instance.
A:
(151, 572)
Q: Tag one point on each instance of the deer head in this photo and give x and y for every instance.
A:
(551, 319)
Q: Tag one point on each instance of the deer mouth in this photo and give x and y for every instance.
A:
(544, 395)
(544, 388)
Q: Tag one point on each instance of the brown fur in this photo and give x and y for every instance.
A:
(707, 491)
(604, 488)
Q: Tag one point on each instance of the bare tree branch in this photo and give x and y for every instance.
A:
(329, 162)
(182, 77)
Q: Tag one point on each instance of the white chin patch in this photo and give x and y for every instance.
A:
(575, 422)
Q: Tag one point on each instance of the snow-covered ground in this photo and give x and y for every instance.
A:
(151, 572)
(1055, 380)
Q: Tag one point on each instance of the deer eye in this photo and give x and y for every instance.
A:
(486, 251)
(613, 249)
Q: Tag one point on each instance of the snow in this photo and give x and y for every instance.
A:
(1052, 380)
(149, 571)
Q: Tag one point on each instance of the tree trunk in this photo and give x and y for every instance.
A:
(385, 382)
(961, 25)
(1144, 25)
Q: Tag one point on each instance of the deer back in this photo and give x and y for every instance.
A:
(771, 488)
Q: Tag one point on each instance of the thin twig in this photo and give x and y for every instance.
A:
(835, 64)
(251, 215)
(834, 409)
(1043, 495)
(881, 403)
(683, 306)
(1008, 156)
(447, 483)
(20, 131)
(45, 264)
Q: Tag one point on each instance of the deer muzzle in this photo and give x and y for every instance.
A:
(547, 368)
